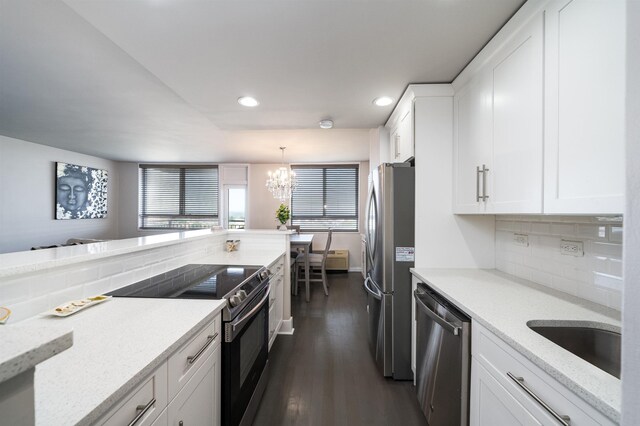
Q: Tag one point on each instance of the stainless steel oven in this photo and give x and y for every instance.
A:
(245, 322)
(245, 360)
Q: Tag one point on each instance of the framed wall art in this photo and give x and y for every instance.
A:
(81, 192)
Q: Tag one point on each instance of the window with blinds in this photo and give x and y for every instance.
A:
(326, 197)
(178, 197)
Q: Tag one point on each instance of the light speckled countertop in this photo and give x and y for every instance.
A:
(504, 304)
(117, 344)
(24, 346)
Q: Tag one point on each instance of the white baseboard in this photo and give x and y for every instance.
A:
(287, 326)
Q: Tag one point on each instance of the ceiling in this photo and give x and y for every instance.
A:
(158, 80)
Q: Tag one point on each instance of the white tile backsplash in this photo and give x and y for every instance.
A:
(596, 276)
(34, 291)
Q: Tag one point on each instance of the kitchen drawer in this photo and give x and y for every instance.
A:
(187, 359)
(276, 285)
(499, 359)
(277, 267)
(151, 393)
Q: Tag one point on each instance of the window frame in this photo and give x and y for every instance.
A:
(324, 167)
(142, 199)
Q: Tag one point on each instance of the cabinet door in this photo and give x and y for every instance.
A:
(472, 142)
(198, 402)
(405, 151)
(515, 175)
(493, 405)
(394, 143)
(584, 106)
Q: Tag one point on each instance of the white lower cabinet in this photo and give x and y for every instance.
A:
(492, 404)
(162, 420)
(184, 388)
(198, 403)
(276, 299)
(143, 404)
(499, 376)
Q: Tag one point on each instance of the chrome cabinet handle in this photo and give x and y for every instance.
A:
(142, 411)
(563, 419)
(191, 359)
(478, 183)
(484, 183)
(451, 328)
(397, 144)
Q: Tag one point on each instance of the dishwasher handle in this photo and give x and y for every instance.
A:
(376, 294)
(451, 328)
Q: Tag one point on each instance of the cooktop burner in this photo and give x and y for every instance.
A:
(195, 281)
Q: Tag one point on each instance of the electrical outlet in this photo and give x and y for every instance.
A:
(572, 248)
(521, 240)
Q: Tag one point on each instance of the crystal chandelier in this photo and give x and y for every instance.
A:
(282, 182)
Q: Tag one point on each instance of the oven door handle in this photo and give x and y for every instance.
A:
(240, 322)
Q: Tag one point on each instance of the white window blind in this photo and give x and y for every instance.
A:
(326, 197)
(178, 197)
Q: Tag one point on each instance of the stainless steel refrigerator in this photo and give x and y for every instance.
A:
(390, 251)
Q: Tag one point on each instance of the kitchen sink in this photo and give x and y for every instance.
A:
(597, 346)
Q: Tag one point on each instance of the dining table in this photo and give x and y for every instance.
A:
(303, 241)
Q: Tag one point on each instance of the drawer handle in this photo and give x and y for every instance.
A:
(142, 411)
(563, 419)
(193, 358)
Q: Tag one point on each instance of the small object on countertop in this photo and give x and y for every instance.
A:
(232, 245)
(5, 313)
(76, 305)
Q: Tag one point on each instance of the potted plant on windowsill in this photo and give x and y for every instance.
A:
(283, 214)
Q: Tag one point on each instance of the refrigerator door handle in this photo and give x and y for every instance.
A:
(375, 294)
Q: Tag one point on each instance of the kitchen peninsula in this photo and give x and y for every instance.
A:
(125, 347)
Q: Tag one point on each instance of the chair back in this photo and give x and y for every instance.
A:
(327, 247)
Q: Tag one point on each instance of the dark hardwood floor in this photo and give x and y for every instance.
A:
(324, 374)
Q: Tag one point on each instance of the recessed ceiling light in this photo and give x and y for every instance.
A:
(248, 101)
(326, 124)
(383, 101)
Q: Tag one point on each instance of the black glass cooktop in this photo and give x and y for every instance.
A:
(194, 281)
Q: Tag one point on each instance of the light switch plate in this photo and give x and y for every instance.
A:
(572, 248)
(521, 240)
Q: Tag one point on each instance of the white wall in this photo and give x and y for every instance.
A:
(444, 240)
(596, 276)
(128, 202)
(631, 302)
(262, 209)
(261, 204)
(27, 197)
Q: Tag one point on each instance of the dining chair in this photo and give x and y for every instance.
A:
(317, 266)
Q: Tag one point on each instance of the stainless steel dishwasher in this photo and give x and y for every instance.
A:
(443, 359)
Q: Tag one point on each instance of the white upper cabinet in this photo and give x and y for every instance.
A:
(539, 113)
(515, 177)
(472, 147)
(584, 106)
(401, 134)
(498, 129)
